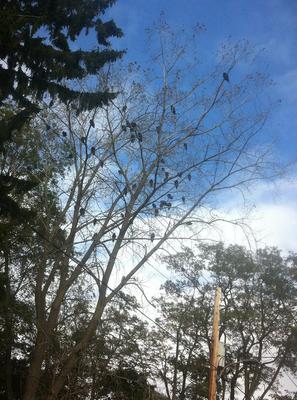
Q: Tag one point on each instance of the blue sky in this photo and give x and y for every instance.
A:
(271, 26)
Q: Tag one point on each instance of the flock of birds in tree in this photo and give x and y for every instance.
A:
(136, 135)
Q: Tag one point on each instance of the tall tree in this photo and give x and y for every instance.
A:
(141, 171)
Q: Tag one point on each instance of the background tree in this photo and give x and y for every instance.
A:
(257, 320)
(181, 360)
(122, 180)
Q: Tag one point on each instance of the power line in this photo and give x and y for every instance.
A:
(284, 371)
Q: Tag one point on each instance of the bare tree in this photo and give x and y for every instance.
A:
(141, 169)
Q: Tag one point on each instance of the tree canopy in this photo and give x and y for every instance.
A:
(258, 321)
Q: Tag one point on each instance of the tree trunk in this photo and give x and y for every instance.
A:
(232, 387)
(8, 329)
(247, 384)
(59, 381)
(34, 373)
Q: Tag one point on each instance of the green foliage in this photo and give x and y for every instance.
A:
(258, 317)
(37, 55)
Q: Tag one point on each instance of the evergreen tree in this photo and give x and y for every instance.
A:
(36, 54)
(37, 60)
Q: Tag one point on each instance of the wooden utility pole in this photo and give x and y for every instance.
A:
(212, 388)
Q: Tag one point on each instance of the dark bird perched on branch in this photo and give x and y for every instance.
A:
(156, 212)
(183, 199)
(185, 146)
(139, 136)
(176, 184)
(101, 163)
(169, 196)
(172, 108)
(114, 236)
(82, 211)
(166, 175)
(164, 203)
(93, 150)
(151, 182)
(226, 77)
(132, 138)
(83, 139)
(64, 134)
(158, 129)
(189, 177)
(92, 123)
(95, 221)
(124, 128)
(154, 205)
(152, 237)
(133, 126)
(124, 108)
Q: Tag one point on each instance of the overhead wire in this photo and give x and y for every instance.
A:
(284, 371)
